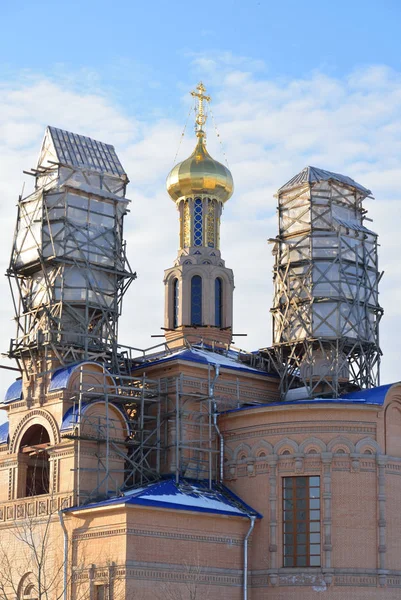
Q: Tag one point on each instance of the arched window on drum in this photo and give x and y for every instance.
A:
(196, 300)
(218, 302)
(198, 222)
(211, 223)
(176, 301)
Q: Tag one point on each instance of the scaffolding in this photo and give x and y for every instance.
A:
(170, 424)
(68, 270)
(68, 274)
(326, 310)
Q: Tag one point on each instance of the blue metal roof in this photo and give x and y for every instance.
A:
(373, 396)
(71, 416)
(206, 357)
(4, 429)
(14, 392)
(61, 376)
(188, 495)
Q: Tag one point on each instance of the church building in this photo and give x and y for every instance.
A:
(195, 470)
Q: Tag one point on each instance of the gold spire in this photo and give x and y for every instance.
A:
(200, 115)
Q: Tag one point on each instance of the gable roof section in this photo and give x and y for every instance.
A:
(314, 175)
(205, 357)
(188, 495)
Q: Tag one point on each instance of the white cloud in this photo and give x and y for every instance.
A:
(270, 130)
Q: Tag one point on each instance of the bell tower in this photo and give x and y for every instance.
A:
(199, 287)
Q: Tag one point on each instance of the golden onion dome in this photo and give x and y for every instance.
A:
(200, 174)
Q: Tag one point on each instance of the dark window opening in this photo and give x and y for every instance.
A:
(34, 446)
(196, 300)
(176, 305)
(100, 592)
(301, 521)
(218, 302)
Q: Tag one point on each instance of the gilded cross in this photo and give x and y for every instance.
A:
(199, 93)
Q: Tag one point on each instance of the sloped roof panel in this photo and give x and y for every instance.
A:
(204, 356)
(14, 392)
(374, 396)
(4, 429)
(70, 418)
(61, 376)
(314, 175)
(188, 495)
(354, 226)
(81, 151)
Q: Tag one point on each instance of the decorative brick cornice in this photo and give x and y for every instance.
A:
(168, 534)
(297, 428)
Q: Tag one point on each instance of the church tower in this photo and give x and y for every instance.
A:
(199, 287)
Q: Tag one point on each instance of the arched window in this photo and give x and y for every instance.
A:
(196, 300)
(186, 234)
(27, 589)
(218, 302)
(34, 444)
(210, 232)
(198, 222)
(176, 299)
(29, 592)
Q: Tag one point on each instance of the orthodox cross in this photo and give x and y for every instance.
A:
(201, 116)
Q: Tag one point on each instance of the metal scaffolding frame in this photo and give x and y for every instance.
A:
(171, 424)
(68, 274)
(69, 271)
(326, 310)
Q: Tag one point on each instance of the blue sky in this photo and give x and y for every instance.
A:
(140, 52)
(292, 83)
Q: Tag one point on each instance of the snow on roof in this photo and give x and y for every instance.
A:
(82, 151)
(314, 175)
(374, 396)
(207, 357)
(188, 495)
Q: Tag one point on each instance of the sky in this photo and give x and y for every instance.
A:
(292, 84)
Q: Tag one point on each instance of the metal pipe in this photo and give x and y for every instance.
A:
(245, 587)
(65, 566)
(219, 434)
(221, 441)
(177, 425)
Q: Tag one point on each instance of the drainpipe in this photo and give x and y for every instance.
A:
(221, 440)
(65, 569)
(219, 434)
(252, 519)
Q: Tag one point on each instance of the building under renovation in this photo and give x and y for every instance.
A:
(194, 469)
